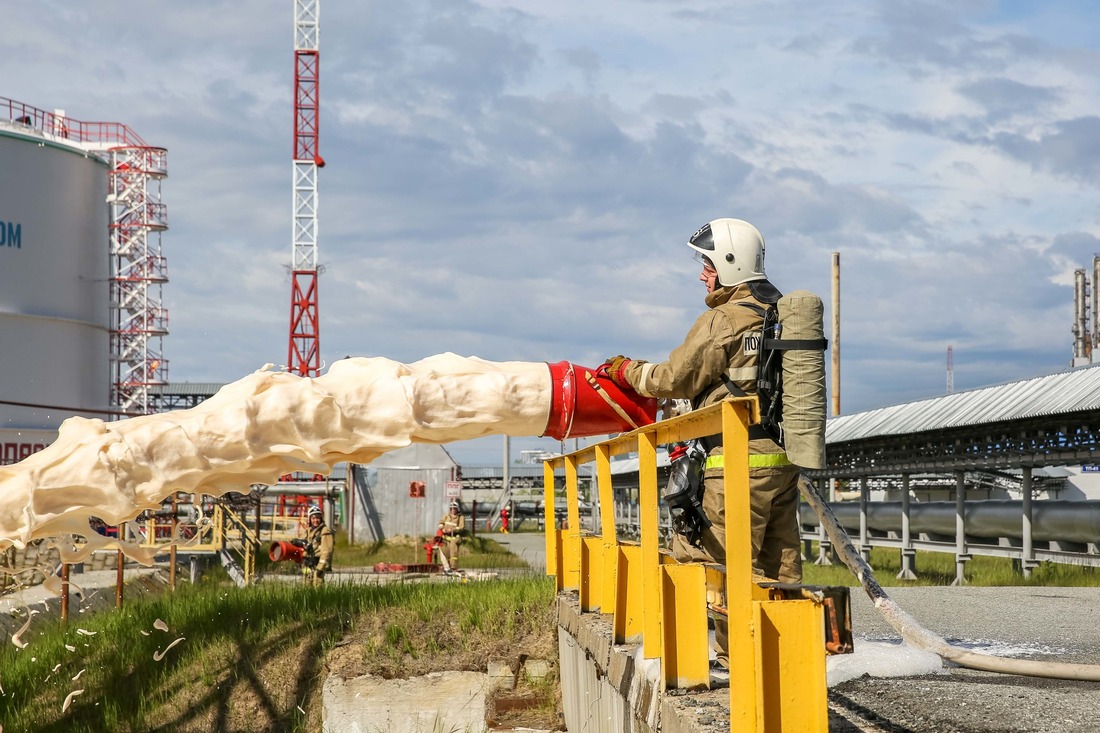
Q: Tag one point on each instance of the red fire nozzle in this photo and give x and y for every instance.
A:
(584, 401)
(280, 551)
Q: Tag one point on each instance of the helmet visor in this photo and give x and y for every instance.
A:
(703, 260)
(703, 239)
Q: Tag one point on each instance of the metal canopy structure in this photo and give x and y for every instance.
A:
(180, 395)
(1045, 421)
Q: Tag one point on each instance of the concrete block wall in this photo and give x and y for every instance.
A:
(31, 564)
(612, 688)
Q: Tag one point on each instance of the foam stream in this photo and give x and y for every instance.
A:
(257, 429)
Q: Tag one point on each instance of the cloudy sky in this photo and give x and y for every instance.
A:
(516, 180)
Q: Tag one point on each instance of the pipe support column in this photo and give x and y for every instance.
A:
(864, 544)
(1027, 561)
(908, 554)
(961, 557)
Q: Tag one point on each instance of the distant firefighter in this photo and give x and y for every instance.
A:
(320, 541)
(452, 525)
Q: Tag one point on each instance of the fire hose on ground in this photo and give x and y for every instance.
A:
(910, 629)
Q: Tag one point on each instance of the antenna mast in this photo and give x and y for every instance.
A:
(304, 357)
(950, 370)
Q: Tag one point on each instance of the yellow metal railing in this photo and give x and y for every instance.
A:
(222, 529)
(208, 534)
(247, 545)
(778, 644)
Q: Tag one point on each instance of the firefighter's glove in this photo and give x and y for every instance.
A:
(616, 368)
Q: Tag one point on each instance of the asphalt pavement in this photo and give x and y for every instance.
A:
(529, 546)
(1049, 623)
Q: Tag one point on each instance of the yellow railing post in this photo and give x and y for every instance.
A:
(550, 523)
(685, 658)
(627, 623)
(610, 555)
(742, 632)
(651, 557)
(571, 549)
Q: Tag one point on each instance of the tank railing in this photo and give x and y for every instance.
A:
(778, 644)
(51, 123)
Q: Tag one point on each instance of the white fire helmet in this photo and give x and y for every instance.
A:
(314, 509)
(734, 248)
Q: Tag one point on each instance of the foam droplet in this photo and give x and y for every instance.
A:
(157, 656)
(69, 699)
(15, 638)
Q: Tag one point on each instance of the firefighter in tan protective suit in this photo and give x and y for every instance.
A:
(320, 542)
(718, 358)
(452, 525)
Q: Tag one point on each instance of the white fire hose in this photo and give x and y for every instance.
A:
(910, 629)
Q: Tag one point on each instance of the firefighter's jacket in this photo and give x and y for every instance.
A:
(320, 541)
(725, 339)
(453, 524)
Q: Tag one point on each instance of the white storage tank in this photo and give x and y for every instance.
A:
(54, 289)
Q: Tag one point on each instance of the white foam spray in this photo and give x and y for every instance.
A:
(256, 429)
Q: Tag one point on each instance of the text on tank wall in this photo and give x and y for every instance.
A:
(11, 234)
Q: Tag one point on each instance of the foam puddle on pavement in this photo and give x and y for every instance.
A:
(880, 658)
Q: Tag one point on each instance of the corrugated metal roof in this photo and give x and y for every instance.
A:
(628, 466)
(1076, 390)
(415, 456)
(201, 389)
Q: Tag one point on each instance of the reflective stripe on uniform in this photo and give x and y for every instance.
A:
(756, 460)
(647, 367)
(742, 374)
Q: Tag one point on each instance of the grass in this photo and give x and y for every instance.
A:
(938, 568)
(479, 552)
(254, 658)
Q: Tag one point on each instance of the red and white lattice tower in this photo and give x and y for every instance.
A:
(139, 320)
(304, 356)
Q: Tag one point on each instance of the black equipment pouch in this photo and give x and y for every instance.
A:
(684, 492)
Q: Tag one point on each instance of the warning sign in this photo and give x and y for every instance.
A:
(452, 489)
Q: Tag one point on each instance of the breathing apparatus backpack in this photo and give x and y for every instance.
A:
(790, 387)
(790, 376)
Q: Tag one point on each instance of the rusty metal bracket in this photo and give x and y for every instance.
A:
(837, 602)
